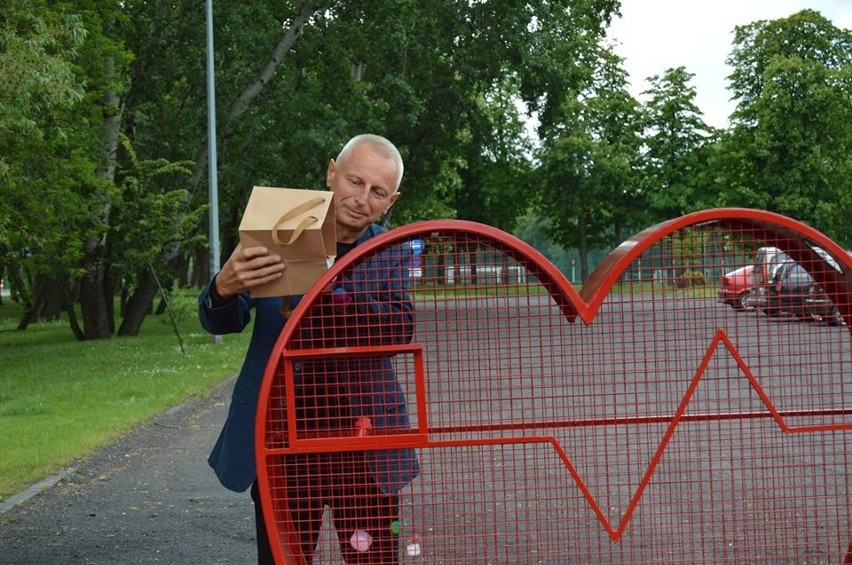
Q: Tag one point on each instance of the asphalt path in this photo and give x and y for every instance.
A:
(148, 498)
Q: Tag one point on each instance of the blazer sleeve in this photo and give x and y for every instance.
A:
(220, 317)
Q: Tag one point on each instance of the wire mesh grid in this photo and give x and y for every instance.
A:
(450, 398)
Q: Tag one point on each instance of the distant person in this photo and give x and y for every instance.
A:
(360, 488)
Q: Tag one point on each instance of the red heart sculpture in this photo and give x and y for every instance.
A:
(447, 392)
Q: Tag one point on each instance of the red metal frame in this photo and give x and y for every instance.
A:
(432, 435)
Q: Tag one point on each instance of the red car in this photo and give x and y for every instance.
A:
(735, 287)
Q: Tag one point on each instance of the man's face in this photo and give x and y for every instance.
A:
(364, 186)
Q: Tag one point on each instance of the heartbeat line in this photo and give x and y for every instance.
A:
(422, 438)
(616, 533)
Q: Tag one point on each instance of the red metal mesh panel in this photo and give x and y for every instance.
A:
(642, 420)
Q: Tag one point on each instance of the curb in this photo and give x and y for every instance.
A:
(34, 490)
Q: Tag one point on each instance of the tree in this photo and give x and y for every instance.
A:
(103, 64)
(675, 169)
(588, 181)
(37, 83)
(144, 224)
(496, 172)
(789, 150)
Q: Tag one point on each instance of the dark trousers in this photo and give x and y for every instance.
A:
(264, 551)
(343, 483)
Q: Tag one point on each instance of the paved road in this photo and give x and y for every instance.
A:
(150, 498)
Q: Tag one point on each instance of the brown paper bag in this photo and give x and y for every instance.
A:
(298, 225)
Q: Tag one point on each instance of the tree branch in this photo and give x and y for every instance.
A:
(256, 87)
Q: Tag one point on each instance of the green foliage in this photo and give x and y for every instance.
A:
(789, 150)
(530, 230)
(152, 205)
(112, 98)
(37, 47)
(496, 173)
(37, 82)
(587, 187)
(675, 162)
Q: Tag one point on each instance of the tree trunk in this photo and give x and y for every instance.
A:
(139, 305)
(441, 265)
(163, 304)
(46, 304)
(51, 309)
(200, 267)
(96, 315)
(182, 271)
(68, 306)
(33, 308)
(16, 283)
(583, 246)
(92, 303)
(505, 270)
(110, 289)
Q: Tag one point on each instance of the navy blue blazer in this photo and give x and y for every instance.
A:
(379, 395)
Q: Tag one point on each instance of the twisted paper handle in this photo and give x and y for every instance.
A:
(300, 227)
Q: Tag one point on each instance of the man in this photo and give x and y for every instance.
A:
(365, 180)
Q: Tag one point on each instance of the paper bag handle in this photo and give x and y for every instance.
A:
(292, 213)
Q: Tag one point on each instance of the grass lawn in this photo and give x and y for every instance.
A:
(60, 399)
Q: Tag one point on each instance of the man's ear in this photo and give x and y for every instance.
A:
(329, 173)
(394, 197)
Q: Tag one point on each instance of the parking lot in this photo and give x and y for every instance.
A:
(671, 428)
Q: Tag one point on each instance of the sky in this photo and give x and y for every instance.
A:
(655, 35)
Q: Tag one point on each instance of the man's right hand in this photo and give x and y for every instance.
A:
(247, 268)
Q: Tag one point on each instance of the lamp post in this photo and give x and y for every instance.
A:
(213, 188)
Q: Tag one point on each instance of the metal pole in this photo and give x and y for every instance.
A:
(213, 188)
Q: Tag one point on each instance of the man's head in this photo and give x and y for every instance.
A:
(365, 180)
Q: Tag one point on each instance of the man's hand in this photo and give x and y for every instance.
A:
(247, 268)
